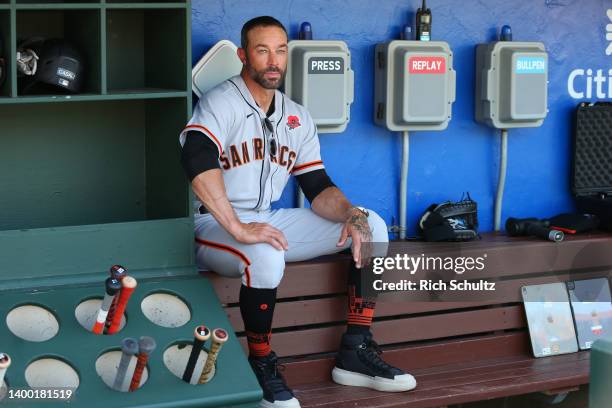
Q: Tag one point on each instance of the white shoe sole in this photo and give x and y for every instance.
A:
(292, 403)
(404, 382)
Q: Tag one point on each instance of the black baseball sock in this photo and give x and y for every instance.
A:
(360, 306)
(257, 310)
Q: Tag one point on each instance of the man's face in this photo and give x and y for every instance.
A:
(265, 57)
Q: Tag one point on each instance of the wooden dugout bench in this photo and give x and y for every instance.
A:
(459, 351)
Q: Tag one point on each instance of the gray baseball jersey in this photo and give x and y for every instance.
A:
(253, 176)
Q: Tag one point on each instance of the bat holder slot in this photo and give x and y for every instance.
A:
(87, 311)
(166, 309)
(51, 372)
(32, 323)
(107, 365)
(176, 357)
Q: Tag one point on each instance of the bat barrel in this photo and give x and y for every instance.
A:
(128, 285)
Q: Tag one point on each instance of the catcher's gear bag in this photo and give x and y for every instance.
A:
(450, 221)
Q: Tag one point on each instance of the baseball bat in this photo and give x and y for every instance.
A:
(219, 336)
(5, 362)
(129, 347)
(201, 334)
(146, 345)
(116, 272)
(112, 287)
(128, 284)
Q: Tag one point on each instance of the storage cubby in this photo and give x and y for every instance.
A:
(79, 27)
(91, 163)
(94, 179)
(145, 51)
(5, 49)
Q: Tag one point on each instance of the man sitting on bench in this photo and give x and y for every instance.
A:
(239, 149)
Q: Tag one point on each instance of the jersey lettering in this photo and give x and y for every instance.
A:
(245, 153)
(235, 157)
(258, 147)
(292, 157)
(225, 162)
(284, 158)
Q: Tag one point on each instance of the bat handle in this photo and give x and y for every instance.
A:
(122, 370)
(98, 327)
(210, 362)
(193, 358)
(140, 365)
(111, 312)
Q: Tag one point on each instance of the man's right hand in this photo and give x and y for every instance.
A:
(258, 232)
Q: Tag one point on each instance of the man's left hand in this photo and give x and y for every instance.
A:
(357, 227)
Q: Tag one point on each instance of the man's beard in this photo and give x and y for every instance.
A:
(259, 77)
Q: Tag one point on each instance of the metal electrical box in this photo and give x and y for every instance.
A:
(320, 78)
(511, 84)
(414, 85)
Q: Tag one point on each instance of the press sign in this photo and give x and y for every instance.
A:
(427, 65)
(326, 65)
(530, 65)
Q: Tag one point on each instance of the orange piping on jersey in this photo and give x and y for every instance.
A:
(209, 133)
(307, 165)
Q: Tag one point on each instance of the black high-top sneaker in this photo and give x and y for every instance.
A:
(358, 363)
(275, 390)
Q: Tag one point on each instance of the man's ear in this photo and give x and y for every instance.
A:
(242, 55)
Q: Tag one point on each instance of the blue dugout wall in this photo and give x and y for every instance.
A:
(364, 161)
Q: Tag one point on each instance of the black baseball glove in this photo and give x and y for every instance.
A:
(450, 221)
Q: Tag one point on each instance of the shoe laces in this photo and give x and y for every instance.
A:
(272, 375)
(371, 352)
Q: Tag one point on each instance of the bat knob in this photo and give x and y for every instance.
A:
(220, 335)
(118, 271)
(202, 333)
(129, 345)
(112, 286)
(5, 360)
(146, 344)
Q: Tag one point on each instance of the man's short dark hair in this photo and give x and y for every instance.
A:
(261, 21)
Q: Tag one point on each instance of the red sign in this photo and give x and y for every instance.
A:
(427, 65)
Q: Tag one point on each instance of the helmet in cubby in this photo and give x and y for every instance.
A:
(49, 66)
